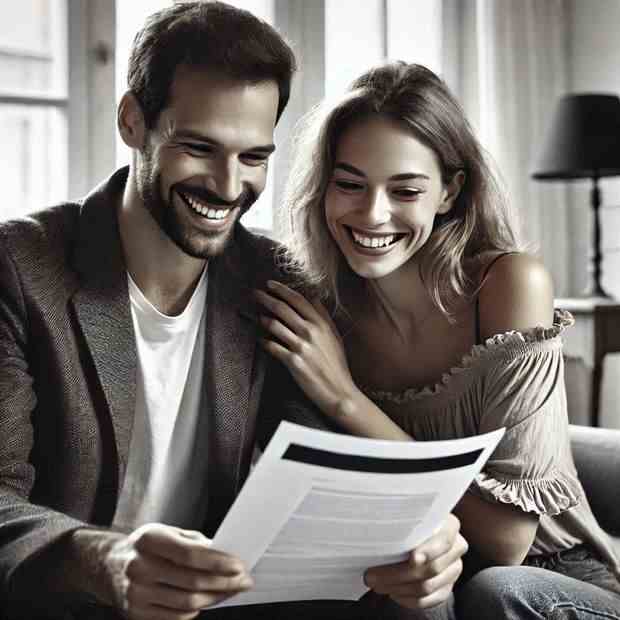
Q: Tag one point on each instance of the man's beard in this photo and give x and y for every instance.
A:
(194, 242)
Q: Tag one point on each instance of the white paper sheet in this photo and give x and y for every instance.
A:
(309, 531)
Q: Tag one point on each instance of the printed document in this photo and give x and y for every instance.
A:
(320, 508)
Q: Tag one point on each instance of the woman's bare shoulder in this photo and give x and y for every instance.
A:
(516, 294)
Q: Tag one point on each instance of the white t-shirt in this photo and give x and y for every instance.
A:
(164, 481)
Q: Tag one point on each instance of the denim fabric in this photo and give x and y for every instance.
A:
(570, 585)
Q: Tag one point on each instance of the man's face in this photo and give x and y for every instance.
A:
(205, 163)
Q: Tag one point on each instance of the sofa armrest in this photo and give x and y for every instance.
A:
(597, 456)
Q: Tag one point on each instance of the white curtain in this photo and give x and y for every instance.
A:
(507, 62)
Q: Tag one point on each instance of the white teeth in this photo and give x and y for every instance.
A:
(211, 214)
(374, 242)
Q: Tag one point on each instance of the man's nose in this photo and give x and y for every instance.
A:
(228, 180)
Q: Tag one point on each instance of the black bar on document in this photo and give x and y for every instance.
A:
(375, 464)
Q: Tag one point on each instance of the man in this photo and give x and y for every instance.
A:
(132, 390)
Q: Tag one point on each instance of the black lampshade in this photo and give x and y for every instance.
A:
(583, 140)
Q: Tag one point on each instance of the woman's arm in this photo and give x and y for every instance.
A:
(308, 344)
(501, 533)
(304, 338)
(517, 295)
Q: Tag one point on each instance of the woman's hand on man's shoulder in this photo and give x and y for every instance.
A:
(517, 294)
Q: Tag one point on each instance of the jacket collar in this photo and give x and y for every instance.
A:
(231, 374)
(102, 307)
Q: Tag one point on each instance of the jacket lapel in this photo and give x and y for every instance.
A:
(233, 373)
(102, 309)
(234, 369)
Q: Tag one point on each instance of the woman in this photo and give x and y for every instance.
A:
(447, 329)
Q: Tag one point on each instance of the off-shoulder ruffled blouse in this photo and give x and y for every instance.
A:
(514, 380)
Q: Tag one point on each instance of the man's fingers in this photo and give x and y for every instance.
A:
(432, 600)
(385, 578)
(421, 587)
(389, 575)
(152, 570)
(153, 612)
(191, 534)
(441, 541)
(440, 564)
(185, 551)
(431, 567)
(176, 598)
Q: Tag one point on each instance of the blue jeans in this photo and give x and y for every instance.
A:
(570, 585)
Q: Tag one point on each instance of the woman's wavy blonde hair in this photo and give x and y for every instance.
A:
(478, 222)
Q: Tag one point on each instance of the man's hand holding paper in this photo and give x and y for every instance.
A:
(161, 572)
(427, 576)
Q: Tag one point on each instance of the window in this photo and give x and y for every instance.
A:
(33, 105)
(63, 65)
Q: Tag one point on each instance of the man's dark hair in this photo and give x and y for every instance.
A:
(205, 35)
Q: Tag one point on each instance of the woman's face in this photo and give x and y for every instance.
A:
(383, 196)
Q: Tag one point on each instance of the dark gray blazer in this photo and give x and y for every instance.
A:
(68, 366)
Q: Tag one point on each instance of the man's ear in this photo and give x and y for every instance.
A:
(451, 192)
(130, 121)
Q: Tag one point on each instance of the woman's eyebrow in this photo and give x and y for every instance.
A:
(349, 168)
(407, 176)
(404, 176)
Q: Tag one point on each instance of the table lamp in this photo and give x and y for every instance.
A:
(583, 142)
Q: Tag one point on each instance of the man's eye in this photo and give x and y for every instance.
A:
(255, 159)
(348, 186)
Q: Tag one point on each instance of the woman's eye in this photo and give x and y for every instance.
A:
(348, 186)
(198, 149)
(407, 193)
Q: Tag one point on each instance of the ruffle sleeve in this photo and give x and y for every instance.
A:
(550, 496)
(523, 391)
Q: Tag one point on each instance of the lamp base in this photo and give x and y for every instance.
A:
(596, 292)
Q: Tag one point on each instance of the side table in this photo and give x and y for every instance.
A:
(596, 332)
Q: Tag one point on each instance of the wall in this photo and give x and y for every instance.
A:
(594, 62)
(594, 66)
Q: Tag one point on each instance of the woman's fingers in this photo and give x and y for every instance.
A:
(296, 300)
(293, 361)
(282, 311)
(282, 333)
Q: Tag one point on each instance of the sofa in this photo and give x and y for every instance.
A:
(597, 457)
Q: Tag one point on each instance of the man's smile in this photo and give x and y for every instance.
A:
(213, 217)
(204, 209)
